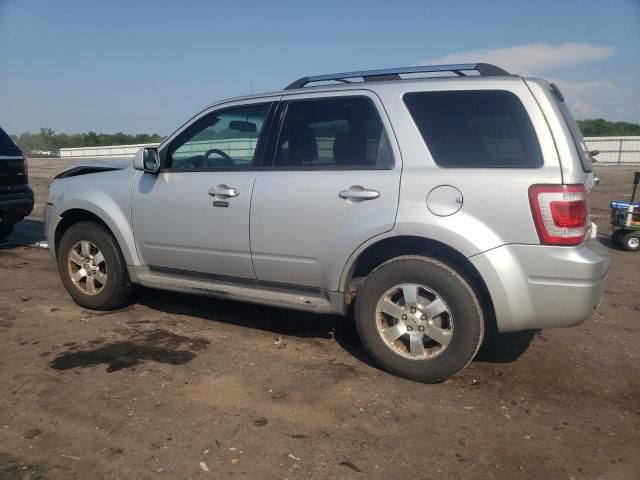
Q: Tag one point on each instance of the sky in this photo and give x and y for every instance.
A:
(146, 66)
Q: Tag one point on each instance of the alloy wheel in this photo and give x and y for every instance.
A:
(87, 267)
(414, 321)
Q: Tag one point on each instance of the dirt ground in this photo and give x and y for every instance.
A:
(177, 386)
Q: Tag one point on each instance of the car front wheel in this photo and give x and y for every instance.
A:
(418, 318)
(92, 267)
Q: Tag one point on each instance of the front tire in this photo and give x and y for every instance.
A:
(92, 267)
(419, 319)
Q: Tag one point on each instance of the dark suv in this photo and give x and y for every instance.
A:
(16, 197)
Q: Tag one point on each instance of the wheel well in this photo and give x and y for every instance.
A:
(388, 248)
(71, 217)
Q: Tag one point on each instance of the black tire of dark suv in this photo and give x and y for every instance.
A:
(5, 230)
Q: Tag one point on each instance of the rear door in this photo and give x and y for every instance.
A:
(333, 184)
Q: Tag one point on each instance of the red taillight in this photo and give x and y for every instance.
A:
(572, 214)
(560, 213)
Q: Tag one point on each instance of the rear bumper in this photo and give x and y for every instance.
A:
(15, 206)
(536, 286)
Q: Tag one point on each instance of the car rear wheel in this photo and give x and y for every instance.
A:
(419, 319)
(631, 242)
(92, 267)
(5, 230)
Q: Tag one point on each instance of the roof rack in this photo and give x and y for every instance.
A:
(484, 69)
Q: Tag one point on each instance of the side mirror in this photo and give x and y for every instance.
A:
(147, 160)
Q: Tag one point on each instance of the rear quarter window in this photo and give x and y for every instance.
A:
(475, 129)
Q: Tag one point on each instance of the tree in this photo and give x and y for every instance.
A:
(599, 127)
(48, 139)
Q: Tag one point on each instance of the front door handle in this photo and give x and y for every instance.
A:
(222, 191)
(357, 193)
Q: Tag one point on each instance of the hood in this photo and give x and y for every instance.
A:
(95, 166)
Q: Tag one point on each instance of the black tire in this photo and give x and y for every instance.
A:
(616, 238)
(117, 289)
(631, 241)
(453, 289)
(5, 230)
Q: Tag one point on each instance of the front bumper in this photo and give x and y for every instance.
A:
(537, 286)
(51, 221)
(15, 206)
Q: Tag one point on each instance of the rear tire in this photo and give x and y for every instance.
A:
(92, 267)
(439, 328)
(631, 241)
(5, 230)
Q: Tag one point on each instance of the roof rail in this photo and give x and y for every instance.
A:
(484, 69)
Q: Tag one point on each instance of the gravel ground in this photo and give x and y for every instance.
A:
(177, 386)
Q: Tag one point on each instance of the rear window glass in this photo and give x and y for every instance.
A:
(576, 135)
(487, 128)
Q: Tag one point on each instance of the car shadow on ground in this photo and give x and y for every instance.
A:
(278, 321)
(27, 232)
(497, 348)
(505, 347)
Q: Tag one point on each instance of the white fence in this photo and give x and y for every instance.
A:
(615, 150)
(113, 151)
(237, 148)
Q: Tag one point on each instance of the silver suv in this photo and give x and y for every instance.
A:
(442, 201)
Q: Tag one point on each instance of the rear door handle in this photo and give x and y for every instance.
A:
(222, 191)
(356, 193)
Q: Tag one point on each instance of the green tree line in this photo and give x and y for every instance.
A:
(47, 139)
(599, 127)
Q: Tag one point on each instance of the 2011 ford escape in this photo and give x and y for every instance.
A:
(440, 206)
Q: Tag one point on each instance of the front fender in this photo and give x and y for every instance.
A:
(110, 202)
(115, 219)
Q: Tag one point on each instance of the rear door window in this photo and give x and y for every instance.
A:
(333, 133)
(475, 129)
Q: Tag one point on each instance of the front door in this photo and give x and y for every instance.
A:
(194, 215)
